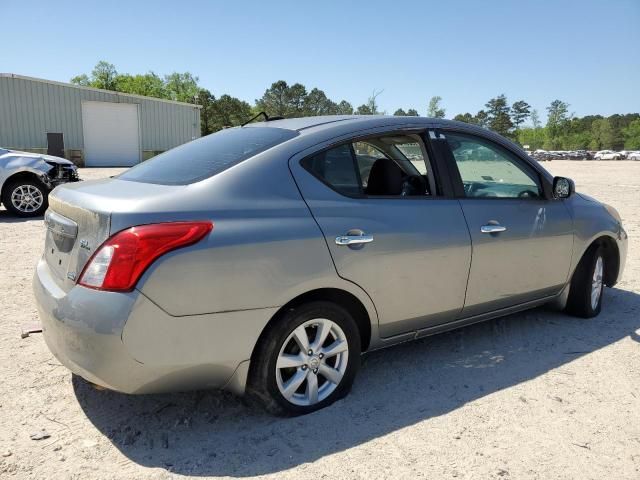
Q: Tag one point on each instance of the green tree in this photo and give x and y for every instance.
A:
(602, 136)
(498, 115)
(520, 111)
(296, 96)
(228, 111)
(632, 136)
(537, 140)
(149, 84)
(371, 107)
(82, 80)
(465, 117)
(409, 113)
(103, 76)
(364, 109)
(283, 100)
(434, 110)
(274, 101)
(182, 87)
(482, 118)
(206, 99)
(345, 108)
(557, 118)
(317, 103)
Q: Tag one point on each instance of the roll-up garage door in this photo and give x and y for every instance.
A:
(111, 134)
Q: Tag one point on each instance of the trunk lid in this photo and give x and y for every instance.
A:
(80, 218)
(73, 233)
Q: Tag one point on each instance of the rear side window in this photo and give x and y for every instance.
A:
(335, 167)
(394, 165)
(207, 156)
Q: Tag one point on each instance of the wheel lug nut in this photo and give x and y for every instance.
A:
(310, 352)
(315, 370)
(321, 355)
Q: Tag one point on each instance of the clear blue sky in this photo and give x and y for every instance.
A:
(586, 52)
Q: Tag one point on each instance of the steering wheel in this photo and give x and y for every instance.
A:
(413, 185)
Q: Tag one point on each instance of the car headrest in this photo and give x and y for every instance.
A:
(385, 178)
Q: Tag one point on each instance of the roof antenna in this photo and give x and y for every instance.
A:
(267, 118)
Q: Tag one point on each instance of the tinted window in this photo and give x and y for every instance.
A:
(488, 170)
(207, 156)
(336, 168)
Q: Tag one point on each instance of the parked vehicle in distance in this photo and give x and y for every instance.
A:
(266, 258)
(27, 178)
(633, 156)
(578, 155)
(607, 155)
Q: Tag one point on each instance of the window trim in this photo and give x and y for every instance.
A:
(456, 178)
(431, 162)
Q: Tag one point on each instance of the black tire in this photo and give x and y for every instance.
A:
(579, 302)
(262, 383)
(32, 183)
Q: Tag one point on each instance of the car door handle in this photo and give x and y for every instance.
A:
(492, 228)
(354, 239)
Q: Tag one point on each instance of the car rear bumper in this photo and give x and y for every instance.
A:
(125, 342)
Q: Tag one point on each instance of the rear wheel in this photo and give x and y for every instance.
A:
(587, 286)
(307, 360)
(25, 197)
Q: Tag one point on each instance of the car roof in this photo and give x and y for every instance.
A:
(357, 122)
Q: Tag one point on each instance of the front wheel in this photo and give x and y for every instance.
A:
(587, 285)
(307, 359)
(25, 197)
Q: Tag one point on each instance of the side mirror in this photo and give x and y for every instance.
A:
(563, 187)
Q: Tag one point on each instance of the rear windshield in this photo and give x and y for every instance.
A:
(207, 156)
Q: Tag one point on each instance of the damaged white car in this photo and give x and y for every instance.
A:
(27, 178)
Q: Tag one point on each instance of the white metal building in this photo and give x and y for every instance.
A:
(92, 127)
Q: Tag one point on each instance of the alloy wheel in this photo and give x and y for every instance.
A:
(596, 283)
(312, 361)
(27, 198)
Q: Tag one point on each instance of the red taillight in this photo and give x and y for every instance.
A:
(120, 261)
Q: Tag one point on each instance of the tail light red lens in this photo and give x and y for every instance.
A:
(120, 261)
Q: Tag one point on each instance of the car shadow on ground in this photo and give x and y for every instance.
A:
(7, 217)
(215, 433)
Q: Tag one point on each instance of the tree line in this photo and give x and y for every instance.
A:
(562, 131)
(518, 121)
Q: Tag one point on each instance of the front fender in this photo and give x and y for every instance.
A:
(14, 165)
(591, 222)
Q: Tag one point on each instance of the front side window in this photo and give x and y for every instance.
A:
(488, 170)
(207, 156)
(392, 165)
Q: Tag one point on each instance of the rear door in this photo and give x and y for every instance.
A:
(389, 227)
(522, 240)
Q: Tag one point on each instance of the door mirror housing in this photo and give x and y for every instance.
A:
(563, 187)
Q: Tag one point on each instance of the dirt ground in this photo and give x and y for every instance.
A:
(533, 395)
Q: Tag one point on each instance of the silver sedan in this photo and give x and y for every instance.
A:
(27, 178)
(266, 258)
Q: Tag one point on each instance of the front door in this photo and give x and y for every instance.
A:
(522, 241)
(388, 228)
